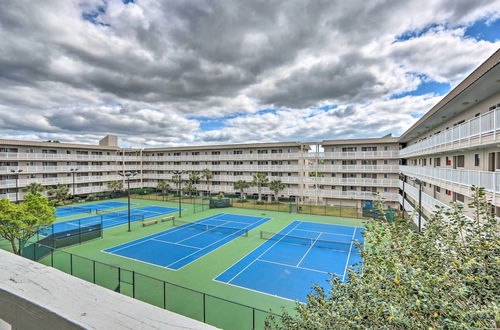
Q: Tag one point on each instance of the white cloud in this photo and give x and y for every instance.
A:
(144, 70)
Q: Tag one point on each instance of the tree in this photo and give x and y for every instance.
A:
(260, 180)
(177, 180)
(443, 277)
(189, 188)
(194, 178)
(241, 185)
(60, 192)
(115, 186)
(19, 222)
(276, 186)
(207, 175)
(163, 186)
(33, 188)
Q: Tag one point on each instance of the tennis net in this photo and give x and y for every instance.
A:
(122, 215)
(308, 241)
(212, 228)
(81, 209)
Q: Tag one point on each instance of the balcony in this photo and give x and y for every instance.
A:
(15, 156)
(352, 181)
(490, 181)
(364, 195)
(358, 155)
(59, 180)
(482, 130)
(248, 168)
(353, 168)
(66, 168)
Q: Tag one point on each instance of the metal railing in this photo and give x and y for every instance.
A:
(490, 181)
(458, 136)
(192, 303)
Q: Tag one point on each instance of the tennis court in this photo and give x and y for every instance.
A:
(188, 241)
(87, 208)
(111, 219)
(288, 263)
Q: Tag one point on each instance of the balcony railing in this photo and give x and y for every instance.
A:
(458, 136)
(60, 180)
(66, 168)
(490, 181)
(353, 168)
(13, 156)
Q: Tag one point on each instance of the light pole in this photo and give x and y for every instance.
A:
(73, 172)
(128, 176)
(179, 177)
(417, 181)
(17, 182)
(402, 177)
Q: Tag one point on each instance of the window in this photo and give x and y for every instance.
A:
(349, 149)
(459, 198)
(438, 189)
(368, 148)
(476, 160)
(386, 148)
(334, 149)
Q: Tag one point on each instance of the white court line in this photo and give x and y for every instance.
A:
(262, 254)
(144, 239)
(310, 247)
(325, 232)
(292, 266)
(261, 292)
(226, 236)
(166, 242)
(349, 255)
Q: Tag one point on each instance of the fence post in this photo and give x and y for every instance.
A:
(133, 284)
(164, 295)
(253, 318)
(204, 309)
(71, 263)
(80, 231)
(51, 257)
(93, 271)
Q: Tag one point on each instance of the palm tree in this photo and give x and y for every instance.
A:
(207, 175)
(163, 186)
(61, 192)
(241, 185)
(276, 186)
(260, 180)
(189, 188)
(177, 180)
(115, 186)
(34, 189)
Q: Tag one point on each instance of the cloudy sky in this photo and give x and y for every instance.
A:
(162, 73)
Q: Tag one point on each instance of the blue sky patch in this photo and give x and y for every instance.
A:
(427, 86)
(482, 30)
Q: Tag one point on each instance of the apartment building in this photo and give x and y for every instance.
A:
(456, 144)
(352, 172)
(90, 167)
(230, 163)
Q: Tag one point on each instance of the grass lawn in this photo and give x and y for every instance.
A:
(197, 275)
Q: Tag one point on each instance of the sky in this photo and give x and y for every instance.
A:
(188, 72)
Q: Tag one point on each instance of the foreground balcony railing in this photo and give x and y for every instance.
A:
(66, 168)
(12, 156)
(470, 133)
(490, 181)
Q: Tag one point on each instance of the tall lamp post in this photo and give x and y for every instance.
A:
(402, 177)
(417, 181)
(73, 172)
(128, 176)
(179, 176)
(17, 182)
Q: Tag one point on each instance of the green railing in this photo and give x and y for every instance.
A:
(219, 312)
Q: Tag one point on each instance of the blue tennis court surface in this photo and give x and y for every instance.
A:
(179, 246)
(112, 219)
(291, 261)
(87, 208)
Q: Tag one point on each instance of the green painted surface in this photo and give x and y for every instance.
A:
(197, 276)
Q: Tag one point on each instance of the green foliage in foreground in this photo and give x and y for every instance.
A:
(446, 276)
(22, 221)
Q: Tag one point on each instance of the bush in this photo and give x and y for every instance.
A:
(443, 277)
